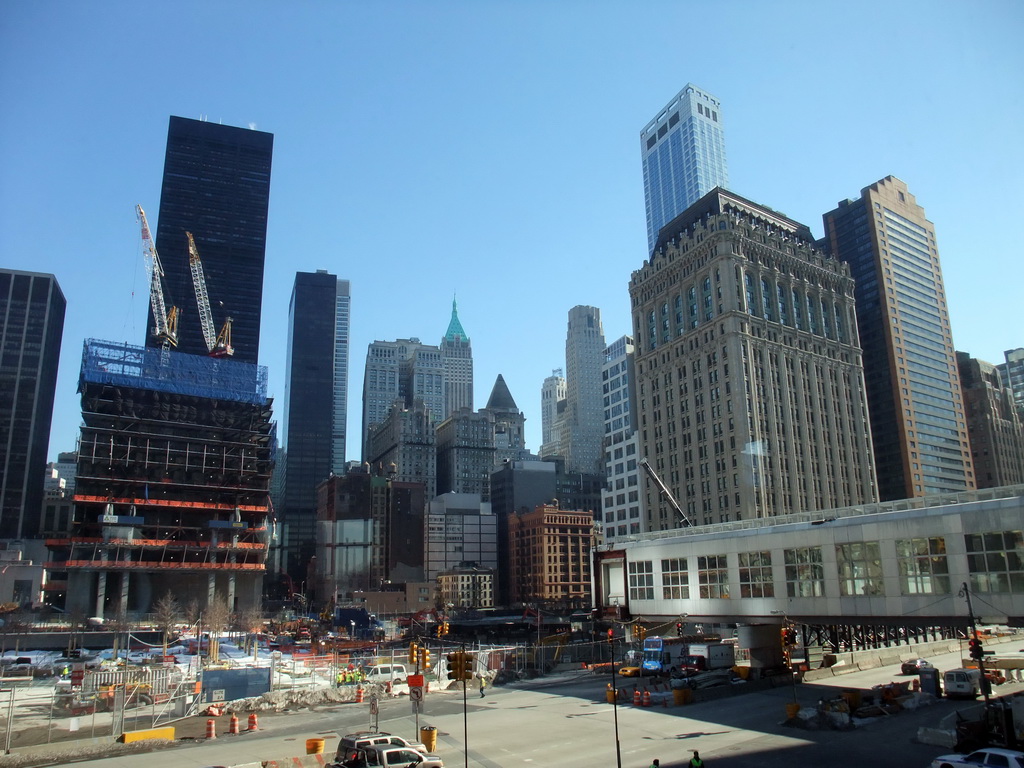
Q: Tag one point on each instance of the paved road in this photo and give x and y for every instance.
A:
(566, 722)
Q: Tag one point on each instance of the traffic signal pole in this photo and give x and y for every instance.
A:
(975, 643)
(465, 705)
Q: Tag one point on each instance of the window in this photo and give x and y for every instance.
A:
(641, 580)
(994, 561)
(756, 574)
(923, 566)
(675, 580)
(860, 569)
(805, 576)
(713, 576)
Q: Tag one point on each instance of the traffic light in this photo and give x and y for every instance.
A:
(445, 628)
(468, 663)
(460, 665)
(611, 635)
(977, 651)
(440, 629)
(679, 629)
(641, 632)
(413, 652)
(425, 659)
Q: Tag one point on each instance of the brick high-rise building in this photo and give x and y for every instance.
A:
(550, 557)
(918, 426)
(995, 428)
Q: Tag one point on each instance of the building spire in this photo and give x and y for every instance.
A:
(455, 327)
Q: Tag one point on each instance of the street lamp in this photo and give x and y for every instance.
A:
(352, 632)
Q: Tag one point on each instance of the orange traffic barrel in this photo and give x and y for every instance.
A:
(359, 694)
(254, 723)
(233, 724)
(647, 698)
(636, 697)
(211, 729)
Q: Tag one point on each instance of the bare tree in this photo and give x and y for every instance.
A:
(216, 617)
(250, 621)
(167, 613)
(192, 611)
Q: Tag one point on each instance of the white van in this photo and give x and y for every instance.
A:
(386, 673)
(962, 683)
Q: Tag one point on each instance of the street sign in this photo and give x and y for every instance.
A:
(373, 706)
(416, 681)
(416, 693)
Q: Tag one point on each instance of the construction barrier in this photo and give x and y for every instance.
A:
(149, 733)
(233, 725)
(359, 694)
(254, 723)
(647, 698)
(636, 697)
(211, 729)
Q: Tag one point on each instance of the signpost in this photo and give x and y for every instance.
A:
(416, 690)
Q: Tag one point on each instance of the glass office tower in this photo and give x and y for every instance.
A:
(683, 151)
(216, 185)
(31, 327)
(316, 393)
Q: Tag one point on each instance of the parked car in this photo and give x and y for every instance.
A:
(386, 673)
(351, 743)
(991, 756)
(384, 756)
(914, 666)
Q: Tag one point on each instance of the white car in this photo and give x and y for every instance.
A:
(990, 756)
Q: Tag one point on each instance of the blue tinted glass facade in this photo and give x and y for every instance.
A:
(683, 151)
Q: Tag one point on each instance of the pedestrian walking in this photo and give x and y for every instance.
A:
(483, 684)
(695, 761)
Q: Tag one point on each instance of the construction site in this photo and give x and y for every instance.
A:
(175, 458)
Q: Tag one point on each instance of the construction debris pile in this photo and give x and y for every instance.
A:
(853, 708)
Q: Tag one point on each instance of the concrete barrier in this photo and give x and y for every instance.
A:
(305, 761)
(936, 737)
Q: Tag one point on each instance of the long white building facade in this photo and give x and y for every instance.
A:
(900, 564)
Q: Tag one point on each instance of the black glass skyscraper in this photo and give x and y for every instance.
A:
(31, 326)
(316, 393)
(216, 185)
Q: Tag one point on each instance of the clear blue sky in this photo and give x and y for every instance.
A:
(491, 150)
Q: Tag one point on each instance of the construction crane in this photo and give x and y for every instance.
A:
(664, 490)
(166, 320)
(218, 345)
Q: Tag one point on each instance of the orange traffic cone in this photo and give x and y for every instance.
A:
(254, 723)
(233, 724)
(211, 729)
(647, 698)
(636, 697)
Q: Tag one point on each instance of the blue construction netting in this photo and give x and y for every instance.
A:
(127, 365)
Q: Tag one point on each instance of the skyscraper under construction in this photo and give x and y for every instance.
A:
(173, 483)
